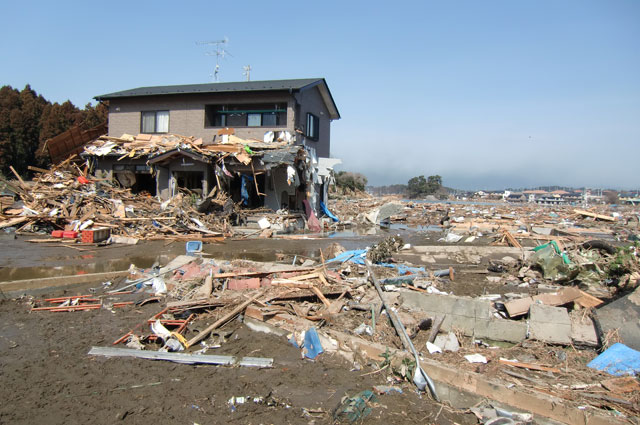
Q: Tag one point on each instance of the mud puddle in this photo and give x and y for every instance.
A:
(20, 260)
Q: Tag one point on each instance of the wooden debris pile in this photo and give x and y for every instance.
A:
(506, 224)
(63, 198)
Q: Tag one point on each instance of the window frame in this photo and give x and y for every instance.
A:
(155, 121)
(312, 130)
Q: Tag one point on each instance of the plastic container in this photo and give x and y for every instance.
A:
(194, 247)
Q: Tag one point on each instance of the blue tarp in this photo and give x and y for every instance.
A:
(358, 256)
(328, 213)
(618, 360)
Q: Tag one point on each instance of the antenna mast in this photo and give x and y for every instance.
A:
(219, 52)
(247, 72)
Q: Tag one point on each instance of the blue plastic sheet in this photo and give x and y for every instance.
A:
(312, 344)
(618, 360)
(328, 213)
(402, 269)
(359, 255)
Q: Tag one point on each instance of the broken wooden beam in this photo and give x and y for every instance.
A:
(224, 319)
(530, 366)
(594, 215)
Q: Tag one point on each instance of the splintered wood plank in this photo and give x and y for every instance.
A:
(320, 295)
(530, 366)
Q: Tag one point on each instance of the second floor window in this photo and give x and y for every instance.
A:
(154, 122)
(248, 115)
(313, 124)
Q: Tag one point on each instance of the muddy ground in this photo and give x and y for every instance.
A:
(48, 377)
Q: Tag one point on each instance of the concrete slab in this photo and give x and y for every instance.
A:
(622, 315)
(583, 333)
(501, 330)
(550, 324)
(460, 312)
(457, 254)
(471, 316)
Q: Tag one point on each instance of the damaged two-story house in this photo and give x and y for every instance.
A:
(265, 143)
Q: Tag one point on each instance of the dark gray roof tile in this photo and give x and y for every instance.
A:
(215, 88)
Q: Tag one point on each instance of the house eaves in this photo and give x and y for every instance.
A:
(177, 153)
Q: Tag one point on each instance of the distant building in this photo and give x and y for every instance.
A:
(516, 197)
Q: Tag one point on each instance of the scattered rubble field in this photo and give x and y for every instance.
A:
(522, 305)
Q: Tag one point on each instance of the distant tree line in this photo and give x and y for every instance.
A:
(419, 186)
(28, 120)
(350, 181)
(392, 189)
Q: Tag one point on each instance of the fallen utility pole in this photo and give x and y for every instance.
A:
(419, 375)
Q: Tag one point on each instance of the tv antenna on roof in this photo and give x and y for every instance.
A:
(247, 72)
(219, 52)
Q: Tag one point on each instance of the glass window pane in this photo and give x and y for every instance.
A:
(220, 120)
(236, 120)
(269, 119)
(254, 120)
(310, 125)
(162, 122)
(148, 122)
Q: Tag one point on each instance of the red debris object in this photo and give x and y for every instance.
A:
(69, 307)
(95, 235)
(70, 234)
(57, 233)
(83, 180)
(252, 283)
(240, 284)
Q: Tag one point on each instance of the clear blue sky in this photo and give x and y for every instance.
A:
(488, 94)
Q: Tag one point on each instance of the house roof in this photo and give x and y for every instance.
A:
(233, 87)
